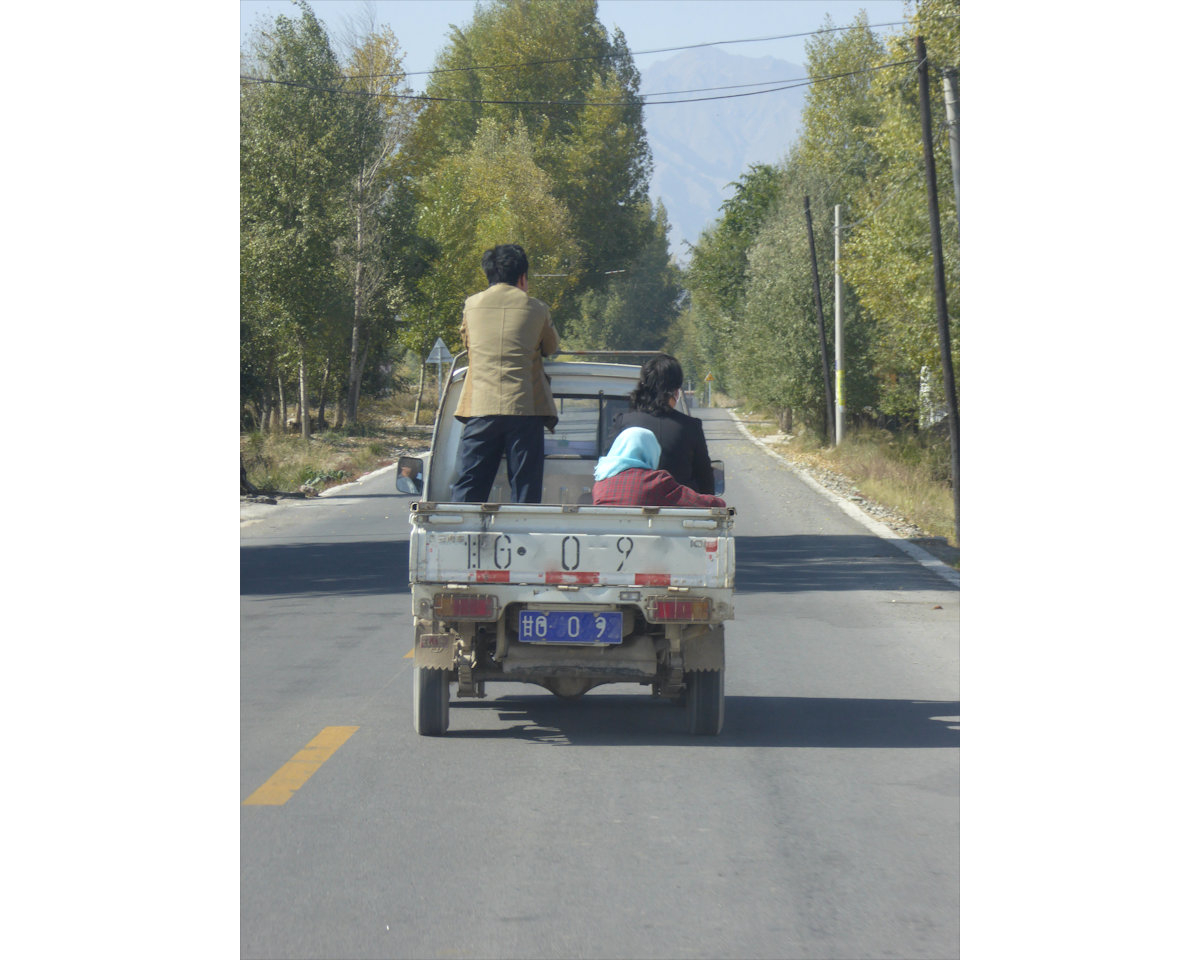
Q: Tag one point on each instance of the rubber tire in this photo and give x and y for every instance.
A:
(431, 701)
(705, 701)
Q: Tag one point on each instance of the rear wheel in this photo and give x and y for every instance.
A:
(431, 701)
(705, 700)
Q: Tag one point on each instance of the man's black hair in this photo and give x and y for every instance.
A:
(505, 263)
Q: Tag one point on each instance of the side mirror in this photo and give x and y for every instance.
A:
(410, 479)
(718, 477)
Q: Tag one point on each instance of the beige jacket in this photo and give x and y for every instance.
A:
(506, 333)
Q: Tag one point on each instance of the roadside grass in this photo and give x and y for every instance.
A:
(902, 473)
(907, 474)
(284, 462)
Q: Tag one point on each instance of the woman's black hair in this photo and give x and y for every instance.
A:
(661, 377)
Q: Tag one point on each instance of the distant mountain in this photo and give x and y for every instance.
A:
(701, 148)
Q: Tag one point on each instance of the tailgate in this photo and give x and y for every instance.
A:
(600, 546)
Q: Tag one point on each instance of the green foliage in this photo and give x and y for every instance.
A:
(493, 193)
(364, 219)
(716, 275)
(297, 155)
(382, 121)
(295, 158)
(753, 317)
(328, 244)
(313, 476)
(594, 155)
(888, 258)
(636, 308)
(840, 114)
(780, 317)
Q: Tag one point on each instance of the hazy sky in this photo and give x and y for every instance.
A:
(421, 26)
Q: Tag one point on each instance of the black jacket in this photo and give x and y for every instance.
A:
(684, 450)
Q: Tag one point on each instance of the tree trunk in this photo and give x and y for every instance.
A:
(302, 413)
(339, 420)
(363, 357)
(356, 333)
(785, 420)
(321, 424)
(267, 406)
(282, 406)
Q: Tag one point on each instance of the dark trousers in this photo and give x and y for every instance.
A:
(484, 441)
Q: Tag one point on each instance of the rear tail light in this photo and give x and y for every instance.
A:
(465, 606)
(662, 609)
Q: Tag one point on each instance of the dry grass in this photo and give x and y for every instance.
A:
(908, 486)
(283, 463)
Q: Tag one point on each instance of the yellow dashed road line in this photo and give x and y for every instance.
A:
(295, 773)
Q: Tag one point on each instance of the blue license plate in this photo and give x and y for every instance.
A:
(565, 626)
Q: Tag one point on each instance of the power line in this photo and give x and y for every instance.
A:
(635, 53)
(794, 81)
(787, 85)
(639, 53)
(729, 86)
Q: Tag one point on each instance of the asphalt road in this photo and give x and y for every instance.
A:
(823, 821)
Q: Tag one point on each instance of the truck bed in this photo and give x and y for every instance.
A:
(562, 544)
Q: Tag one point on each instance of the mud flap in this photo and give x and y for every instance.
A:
(433, 650)
(703, 647)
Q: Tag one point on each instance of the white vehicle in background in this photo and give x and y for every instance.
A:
(564, 594)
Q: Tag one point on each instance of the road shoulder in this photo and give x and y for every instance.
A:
(851, 509)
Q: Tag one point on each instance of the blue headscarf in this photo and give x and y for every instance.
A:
(634, 447)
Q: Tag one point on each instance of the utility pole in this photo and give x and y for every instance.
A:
(839, 368)
(939, 275)
(812, 249)
(950, 89)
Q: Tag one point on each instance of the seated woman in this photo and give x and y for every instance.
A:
(652, 405)
(628, 476)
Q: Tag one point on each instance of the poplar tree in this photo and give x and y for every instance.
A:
(557, 71)
(493, 193)
(296, 159)
(381, 120)
(887, 256)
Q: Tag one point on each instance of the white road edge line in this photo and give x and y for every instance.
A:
(247, 521)
(923, 557)
(354, 483)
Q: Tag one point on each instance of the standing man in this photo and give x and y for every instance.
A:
(506, 400)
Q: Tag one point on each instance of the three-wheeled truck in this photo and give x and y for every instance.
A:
(563, 593)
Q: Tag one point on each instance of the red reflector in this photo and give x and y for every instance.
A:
(652, 579)
(686, 610)
(464, 606)
(584, 577)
